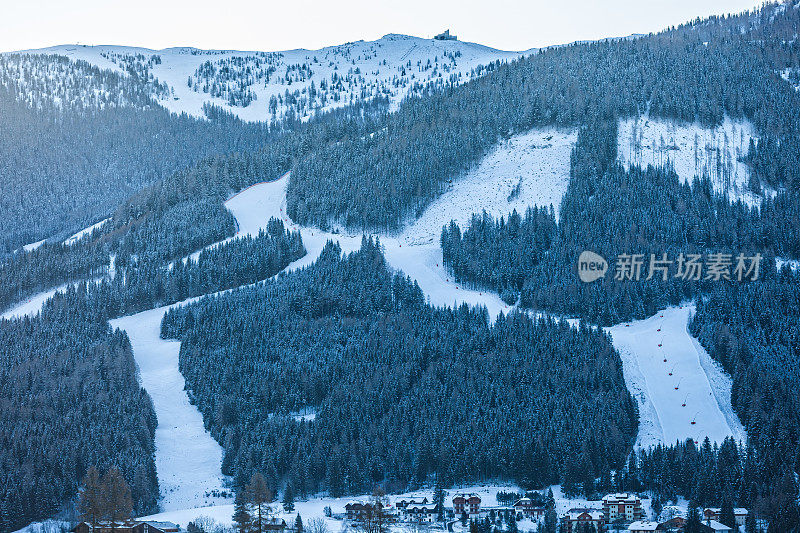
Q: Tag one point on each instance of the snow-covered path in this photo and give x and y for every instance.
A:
(682, 393)
(187, 458)
(32, 305)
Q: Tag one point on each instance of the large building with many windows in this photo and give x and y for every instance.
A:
(622, 507)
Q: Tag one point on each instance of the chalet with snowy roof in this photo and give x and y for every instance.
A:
(714, 513)
(673, 525)
(712, 526)
(578, 518)
(467, 503)
(528, 508)
(404, 502)
(359, 511)
(643, 526)
(273, 524)
(420, 512)
(128, 526)
(622, 507)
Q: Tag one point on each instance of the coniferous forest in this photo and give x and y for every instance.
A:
(70, 400)
(402, 392)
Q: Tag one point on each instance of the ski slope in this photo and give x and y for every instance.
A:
(33, 304)
(85, 231)
(535, 162)
(391, 66)
(692, 150)
(681, 392)
(188, 460)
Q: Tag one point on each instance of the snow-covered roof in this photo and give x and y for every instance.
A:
(575, 512)
(431, 507)
(643, 525)
(161, 524)
(716, 526)
(736, 510)
(619, 496)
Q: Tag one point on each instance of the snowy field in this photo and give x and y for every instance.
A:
(387, 66)
(682, 393)
(692, 150)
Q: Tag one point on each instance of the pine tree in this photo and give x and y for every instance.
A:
(298, 524)
(550, 517)
(726, 514)
(241, 515)
(693, 522)
(439, 496)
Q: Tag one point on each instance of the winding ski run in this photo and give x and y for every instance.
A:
(188, 459)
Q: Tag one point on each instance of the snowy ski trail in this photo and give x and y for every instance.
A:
(188, 459)
(681, 392)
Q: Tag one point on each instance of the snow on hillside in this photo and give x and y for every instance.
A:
(304, 81)
(528, 169)
(33, 304)
(692, 150)
(187, 458)
(34, 245)
(680, 391)
(72, 239)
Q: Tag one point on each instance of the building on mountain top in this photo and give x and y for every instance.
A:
(445, 36)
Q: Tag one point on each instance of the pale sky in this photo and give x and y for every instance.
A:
(280, 25)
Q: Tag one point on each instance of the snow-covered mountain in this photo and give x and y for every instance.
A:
(257, 86)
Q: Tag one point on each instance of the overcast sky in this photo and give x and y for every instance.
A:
(281, 25)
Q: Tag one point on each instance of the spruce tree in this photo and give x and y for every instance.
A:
(241, 515)
(288, 498)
